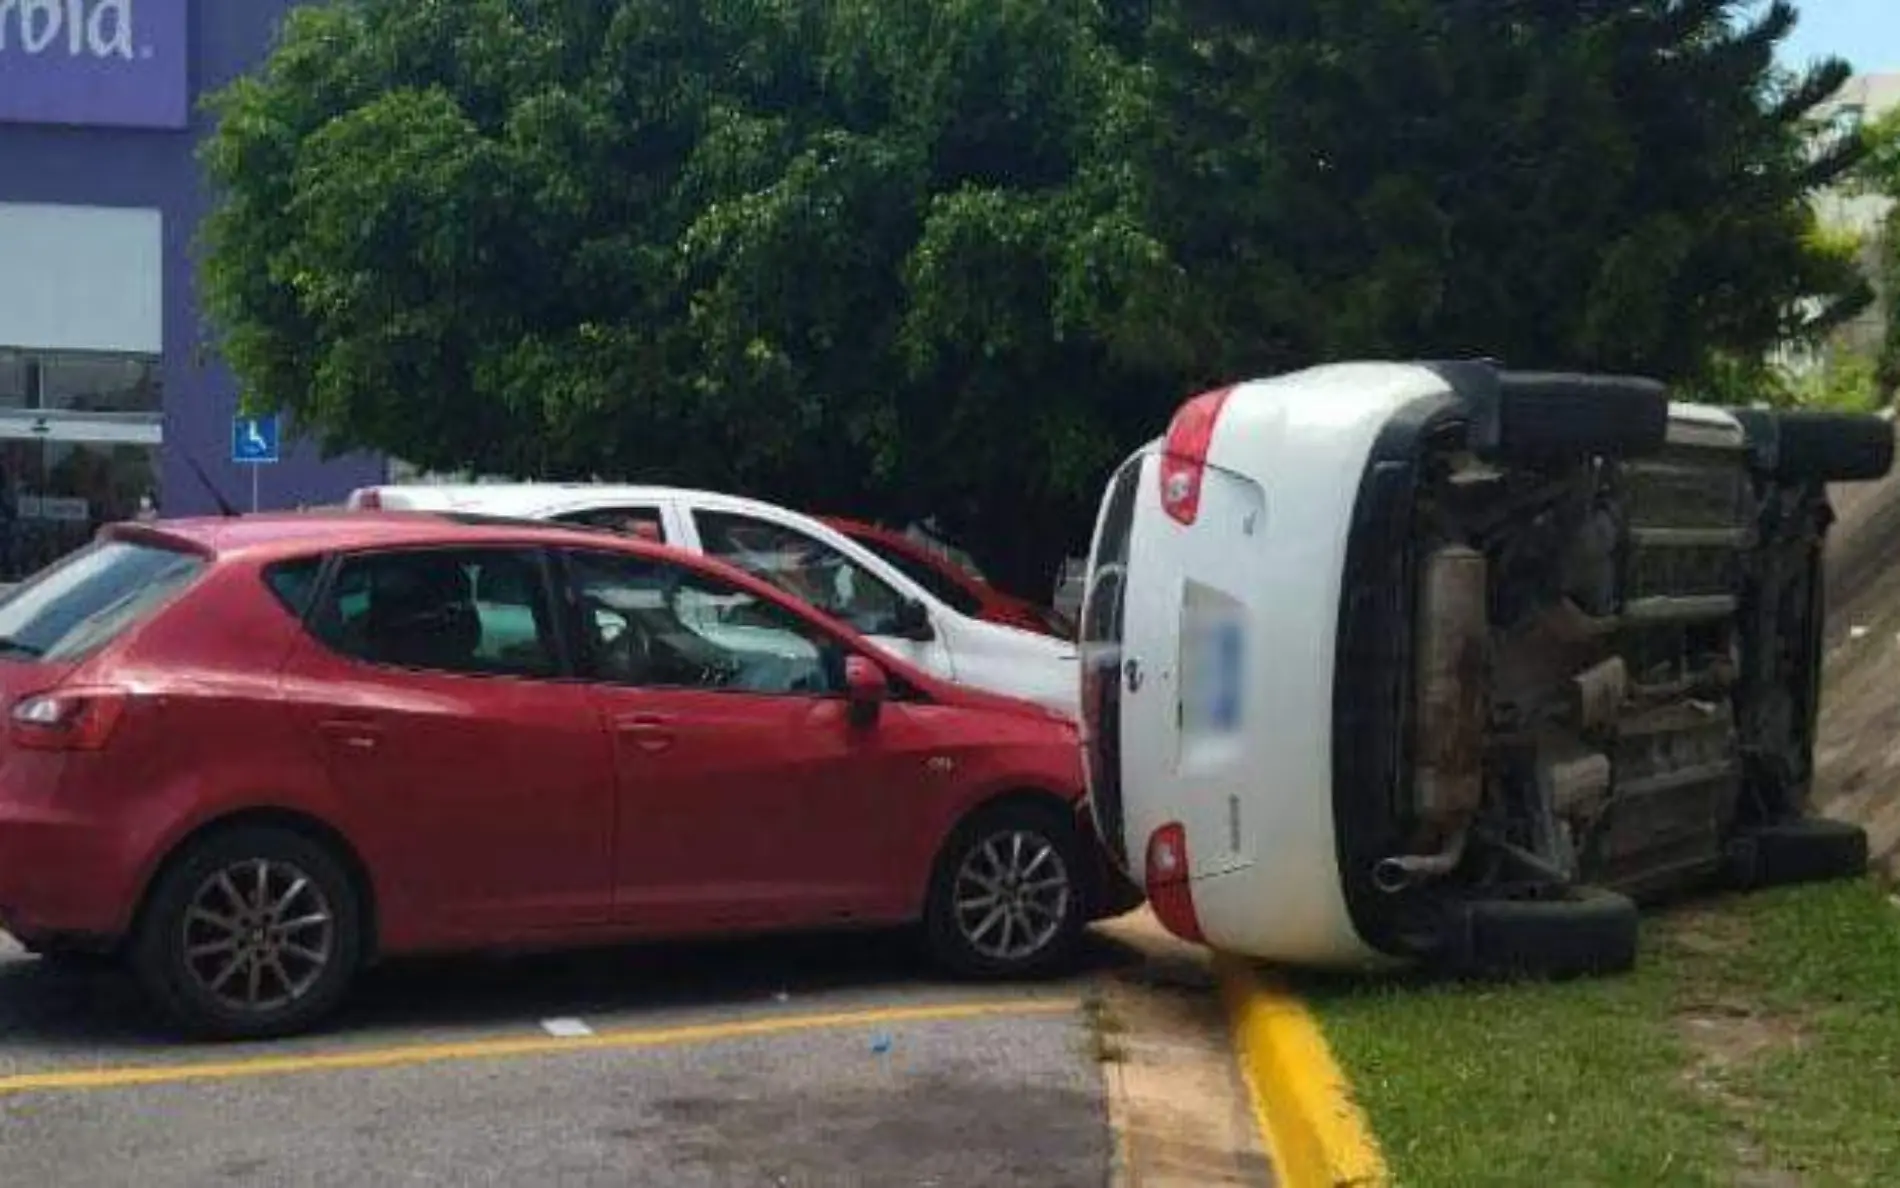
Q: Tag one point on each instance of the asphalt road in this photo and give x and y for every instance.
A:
(827, 1061)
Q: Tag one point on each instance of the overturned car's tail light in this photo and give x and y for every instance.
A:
(369, 499)
(1170, 891)
(67, 720)
(1184, 456)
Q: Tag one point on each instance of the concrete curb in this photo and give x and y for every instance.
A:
(1301, 1100)
(1177, 1108)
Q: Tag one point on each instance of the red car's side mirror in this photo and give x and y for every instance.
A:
(865, 688)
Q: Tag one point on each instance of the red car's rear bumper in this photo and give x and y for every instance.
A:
(60, 874)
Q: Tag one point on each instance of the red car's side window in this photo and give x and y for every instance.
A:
(476, 611)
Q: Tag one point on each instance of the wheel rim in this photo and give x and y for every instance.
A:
(1011, 895)
(259, 935)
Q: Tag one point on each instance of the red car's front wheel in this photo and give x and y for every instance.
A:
(1008, 897)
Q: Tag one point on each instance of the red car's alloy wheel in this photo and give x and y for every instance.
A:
(1012, 895)
(259, 935)
(1007, 900)
(253, 931)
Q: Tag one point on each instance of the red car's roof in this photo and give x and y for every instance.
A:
(268, 536)
(289, 533)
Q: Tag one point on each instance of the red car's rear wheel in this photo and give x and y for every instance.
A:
(250, 932)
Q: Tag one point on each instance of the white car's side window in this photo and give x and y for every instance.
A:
(807, 568)
(643, 522)
(653, 624)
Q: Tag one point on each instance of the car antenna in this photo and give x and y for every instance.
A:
(224, 505)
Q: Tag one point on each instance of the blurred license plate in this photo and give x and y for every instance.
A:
(1217, 678)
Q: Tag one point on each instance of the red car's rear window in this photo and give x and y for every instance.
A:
(91, 598)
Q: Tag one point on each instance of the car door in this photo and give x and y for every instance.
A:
(824, 577)
(746, 797)
(436, 684)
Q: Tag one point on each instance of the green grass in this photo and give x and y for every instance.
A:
(1758, 1043)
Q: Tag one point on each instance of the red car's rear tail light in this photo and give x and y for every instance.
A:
(1184, 457)
(1170, 890)
(67, 720)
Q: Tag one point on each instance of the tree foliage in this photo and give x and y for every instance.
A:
(1879, 176)
(955, 257)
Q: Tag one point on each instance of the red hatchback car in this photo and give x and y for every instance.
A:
(251, 754)
(957, 588)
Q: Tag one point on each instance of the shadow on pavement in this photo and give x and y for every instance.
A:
(46, 1006)
(43, 1004)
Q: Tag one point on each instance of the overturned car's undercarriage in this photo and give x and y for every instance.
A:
(1602, 685)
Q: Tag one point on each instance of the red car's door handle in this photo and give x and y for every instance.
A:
(354, 736)
(650, 732)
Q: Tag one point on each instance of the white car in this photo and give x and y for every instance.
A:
(796, 553)
(1441, 662)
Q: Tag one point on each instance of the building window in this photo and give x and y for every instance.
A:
(14, 375)
(99, 383)
(79, 438)
(88, 383)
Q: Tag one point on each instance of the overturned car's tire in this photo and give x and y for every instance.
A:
(1809, 850)
(1808, 446)
(1583, 931)
(1535, 417)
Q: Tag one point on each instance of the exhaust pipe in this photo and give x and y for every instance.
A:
(1450, 680)
(1404, 871)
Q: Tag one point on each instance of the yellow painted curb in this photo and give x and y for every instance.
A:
(1301, 1100)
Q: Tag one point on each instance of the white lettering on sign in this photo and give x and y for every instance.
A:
(92, 28)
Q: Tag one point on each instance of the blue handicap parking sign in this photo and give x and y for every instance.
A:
(254, 439)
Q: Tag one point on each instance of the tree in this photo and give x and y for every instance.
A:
(1879, 177)
(956, 257)
(1595, 184)
(846, 255)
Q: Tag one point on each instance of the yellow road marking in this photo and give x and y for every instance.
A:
(490, 1049)
(1302, 1102)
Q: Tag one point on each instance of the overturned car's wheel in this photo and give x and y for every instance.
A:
(1809, 850)
(1008, 898)
(1574, 932)
(1811, 446)
(1533, 417)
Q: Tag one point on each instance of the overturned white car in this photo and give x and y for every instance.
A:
(1449, 663)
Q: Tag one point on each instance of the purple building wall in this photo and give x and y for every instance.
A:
(157, 168)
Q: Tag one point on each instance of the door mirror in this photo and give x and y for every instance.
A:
(865, 688)
(912, 622)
